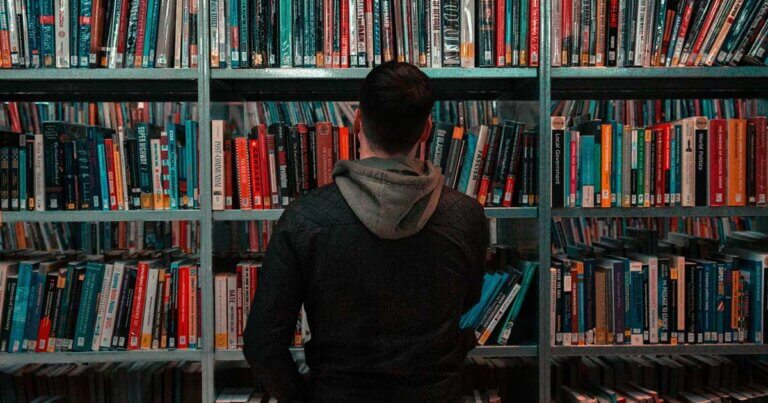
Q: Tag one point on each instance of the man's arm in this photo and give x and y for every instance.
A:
(272, 320)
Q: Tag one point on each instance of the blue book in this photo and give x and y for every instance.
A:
(528, 269)
(753, 264)
(21, 306)
(34, 303)
(150, 37)
(488, 284)
(173, 164)
(103, 173)
(637, 306)
(190, 132)
(466, 165)
(86, 315)
(587, 171)
(673, 166)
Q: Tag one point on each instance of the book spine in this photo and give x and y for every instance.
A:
(44, 328)
(452, 33)
(717, 162)
(512, 169)
(147, 315)
(255, 170)
(558, 183)
(761, 159)
(137, 311)
(736, 162)
(286, 40)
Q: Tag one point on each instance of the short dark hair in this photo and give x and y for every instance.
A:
(396, 100)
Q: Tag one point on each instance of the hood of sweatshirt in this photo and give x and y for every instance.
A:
(393, 197)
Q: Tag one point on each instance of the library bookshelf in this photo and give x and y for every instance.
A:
(542, 84)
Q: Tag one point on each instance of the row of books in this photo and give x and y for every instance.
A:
(692, 162)
(501, 299)
(243, 395)
(235, 284)
(99, 33)
(140, 382)
(244, 236)
(495, 380)
(649, 112)
(585, 231)
(637, 290)
(149, 301)
(273, 165)
(672, 33)
(678, 378)
(71, 166)
(365, 33)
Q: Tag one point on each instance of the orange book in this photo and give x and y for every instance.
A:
(606, 150)
(736, 161)
(343, 143)
(324, 153)
(243, 173)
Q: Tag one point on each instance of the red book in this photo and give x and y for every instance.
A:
(500, 33)
(5, 49)
(324, 153)
(718, 129)
(304, 143)
(682, 33)
(661, 54)
(140, 31)
(239, 305)
(327, 59)
(183, 238)
(98, 12)
(566, 28)
(666, 163)
(182, 331)
(253, 153)
(266, 185)
(254, 269)
(243, 173)
(761, 158)
(344, 143)
(122, 32)
(110, 159)
(533, 44)
(713, 11)
(137, 308)
(228, 185)
(344, 62)
(658, 187)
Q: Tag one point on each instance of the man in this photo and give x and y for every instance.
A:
(385, 260)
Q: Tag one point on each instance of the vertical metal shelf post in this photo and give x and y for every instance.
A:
(545, 195)
(206, 212)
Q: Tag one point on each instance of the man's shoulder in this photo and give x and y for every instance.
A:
(323, 205)
(456, 204)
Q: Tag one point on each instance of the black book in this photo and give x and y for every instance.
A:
(49, 303)
(281, 148)
(71, 199)
(123, 318)
(295, 162)
(56, 314)
(259, 33)
(54, 166)
(74, 305)
(558, 163)
(10, 299)
(506, 145)
(172, 320)
(131, 146)
(651, 151)
(440, 144)
(30, 167)
(701, 164)
(455, 151)
(93, 184)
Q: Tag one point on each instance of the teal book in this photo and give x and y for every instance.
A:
(755, 263)
(286, 35)
(21, 305)
(587, 170)
(637, 311)
(673, 153)
(173, 131)
(466, 165)
(61, 329)
(616, 157)
(86, 315)
(488, 284)
(35, 302)
(103, 170)
(150, 36)
(190, 131)
(528, 269)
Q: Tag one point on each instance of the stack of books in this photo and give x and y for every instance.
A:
(98, 33)
(145, 301)
(651, 33)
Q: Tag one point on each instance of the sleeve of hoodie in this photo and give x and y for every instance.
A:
(272, 320)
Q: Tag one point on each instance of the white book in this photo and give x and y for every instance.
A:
(220, 320)
(102, 305)
(13, 31)
(62, 33)
(306, 334)
(178, 34)
(640, 31)
(467, 33)
(157, 173)
(217, 164)
(110, 314)
(39, 172)
(361, 45)
(149, 308)
(232, 312)
(477, 161)
(352, 23)
(688, 163)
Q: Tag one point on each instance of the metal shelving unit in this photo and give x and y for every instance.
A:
(542, 84)
(100, 216)
(747, 211)
(100, 356)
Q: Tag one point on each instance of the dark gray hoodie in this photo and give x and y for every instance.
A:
(393, 197)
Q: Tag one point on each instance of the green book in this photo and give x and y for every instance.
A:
(86, 315)
(286, 36)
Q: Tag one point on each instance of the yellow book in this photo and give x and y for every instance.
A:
(736, 162)
(119, 178)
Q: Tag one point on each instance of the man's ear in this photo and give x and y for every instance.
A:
(427, 130)
(357, 125)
